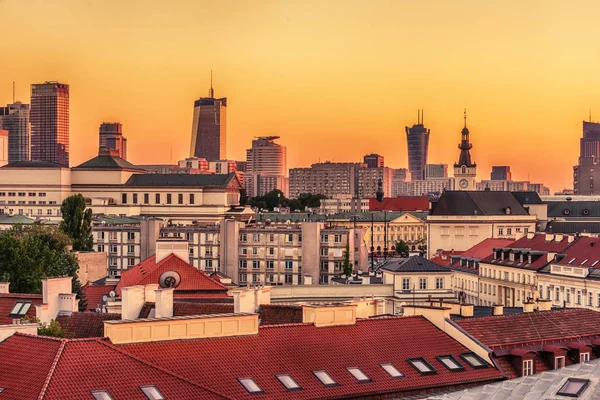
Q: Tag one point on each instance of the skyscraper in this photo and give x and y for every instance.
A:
(111, 137)
(266, 166)
(15, 119)
(589, 144)
(465, 170)
(501, 173)
(209, 127)
(587, 170)
(373, 161)
(436, 171)
(417, 139)
(50, 122)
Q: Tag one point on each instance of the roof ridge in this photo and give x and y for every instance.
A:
(111, 346)
(63, 343)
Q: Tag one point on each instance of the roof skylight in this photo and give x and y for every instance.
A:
(152, 393)
(101, 395)
(358, 374)
(20, 309)
(573, 387)
(474, 360)
(451, 363)
(250, 385)
(392, 370)
(289, 382)
(584, 261)
(422, 366)
(595, 262)
(572, 259)
(325, 378)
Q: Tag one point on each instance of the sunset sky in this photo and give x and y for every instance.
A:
(335, 79)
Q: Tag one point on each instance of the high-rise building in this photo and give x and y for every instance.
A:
(50, 122)
(328, 178)
(368, 181)
(209, 127)
(465, 170)
(436, 171)
(501, 173)
(111, 137)
(3, 147)
(266, 167)
(587, 170)
(417, 139)
(373, 161)
(14, 118)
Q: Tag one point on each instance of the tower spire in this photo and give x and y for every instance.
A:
(211, 91)
(465, 117)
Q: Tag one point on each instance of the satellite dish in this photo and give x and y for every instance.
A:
(169, 279)
(112, 294)
(104, 298)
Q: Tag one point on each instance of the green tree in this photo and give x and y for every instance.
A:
(401, 247)
(31, 253)
(53, 329)
(346, 264)
(77, 222)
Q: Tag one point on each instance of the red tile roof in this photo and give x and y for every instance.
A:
(182, 309)
(302, 348)
(8, 301)
(93, 294)
(584, 252)
(400, 204)
(443, 257)
(192, 279)
(537, 327)
(85, 324)
(39, 367)
(478, 252)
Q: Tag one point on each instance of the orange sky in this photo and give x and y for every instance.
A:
(335, 79)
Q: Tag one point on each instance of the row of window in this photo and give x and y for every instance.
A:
(30, 212)
(22, 194)
(30, 202)
(288, 279)
(151, 393)
(113, 235)
(491, 273)
(509, 231)
(157, 198)
(567, 297)
(270, 264)
(406, 283)
(114, 249)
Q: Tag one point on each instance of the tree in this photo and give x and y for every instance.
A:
(53, 329)
(77, 222)
(31, 253)
(275, 198)
(346, 264)
(401, 247)
(243, 197)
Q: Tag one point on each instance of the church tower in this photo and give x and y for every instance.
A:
(465, 170)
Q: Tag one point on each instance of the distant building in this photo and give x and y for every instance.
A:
(241, 166)
(417, 139)
(423, 187)
(50, 122)
(196, 163)
(397, 181)
(436, 171)
(223, 166)
(209, 127)
(266, 167)
(15, 119)
(328, 178)
(501, 173)
(513, 186)
(373, 161)
(111, 137)
(3, 147)
(587, 170)
(368, 181)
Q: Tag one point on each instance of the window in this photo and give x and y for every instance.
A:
(192, 198)
(271, 251)
(100, 248)
(584, 357)
(124, 198)
(243, 264)
(324, 238)
(157, 198)
(500, 231)
(337, 238)
(255, 251)
(422, 283)
(405, 284)
(146, 198)
(135, 198)
(289, 238)
(20, 309)
(130, 235)
(169, 198)
(243, 237)
(180, 198)
(289, 264)
(358, 374)
(573, 387)
(130, 249)
(568, 296)
(113, 248)
(474, 360)
(152, 393)
(243, 277)
(451, 363)
(289, 279)
(271, 238)
(422, 366)
(324, 377)
(288, 382)
(270, 264)
(250, 385)
(527, 367)
(101, 395)
(439, 283)
(591, 299)
(579, 297)
(392, 370)
(324, 252)
(208, 264)
(508, 231)
(255, 264)
(559, 362)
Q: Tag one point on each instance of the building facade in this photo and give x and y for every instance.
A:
(3, 147)
(266, 167)
(417, 140)
(111, 137)
(328, 178)
(423, 187)
(368, 181)
(500, 173)
(49, 120)
(15, 119)
(209, 128)
(373, 161)
(436, 171)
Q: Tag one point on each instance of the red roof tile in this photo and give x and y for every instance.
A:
(400, 204)
(86, 324)
(486, 247)
(93, 294)
(584, 252)
(192, 279)
(38, 367)
(8, 301)
(538, 327)
(302, 348)
(443, 257)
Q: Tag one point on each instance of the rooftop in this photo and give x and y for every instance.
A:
(584, 252)
(17, 305)
(400, 204)
(528, 197)
(33, 164)
(108, 162)
(412, 264)
(181, 180)
(478, 203)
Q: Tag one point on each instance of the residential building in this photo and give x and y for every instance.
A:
(373, 161)
(328, 178)
(111, 137)
(259, 184)
(223, 166)
(368, 181)
(501, 173)
(397, 182)
(417, 140)
(49, 119)
(513, 186)
(586, 170)
(433, 187)
(577, 215)
(15, 119)
(194, 163)
(3, 147)
(539, 188)
(209, 127)
(465, 170)
(266, 167)
(342, 203)
(436, 171)
(461, 219)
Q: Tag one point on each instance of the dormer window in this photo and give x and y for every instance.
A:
(511, 256)
(521, 258)
(529, 259)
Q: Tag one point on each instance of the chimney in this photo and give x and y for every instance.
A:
(133, 299)
(163, 307)
(497, 309)
(329, 314)
(530, 235)
(548, 237)
(570, 238)
(168, 246)
(56, 298)
(248, 300)
(528, 307)
(4, 287)
(558, 238)
(544, 305)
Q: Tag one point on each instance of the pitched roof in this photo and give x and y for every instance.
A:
(400, 204)
(40, 367)
(94, 294)
(85, 324)
(33, 164)
(476, 253)
(583, 252)
(192, 279)
(180, 180)
(108, 162)
(477, 203)
(8, 301)
(574, 209)
(528, 197)
(299, 349)
(15, 219)
(444, 257)
(536, 327)
(412, 264)
(572, 227)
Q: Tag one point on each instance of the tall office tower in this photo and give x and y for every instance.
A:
(111, 137)
(436, 171)
(3, 147)
(209, 127)
(15, 119)
(587, 170)
(266, 159)
(50, 122)
(501, 173)
(465, 170)
(417, 139)
(373, 161)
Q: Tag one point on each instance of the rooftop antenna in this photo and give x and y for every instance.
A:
(590, 114)
(422, 113)
(465, 117)
(211, 91)
(14, 94)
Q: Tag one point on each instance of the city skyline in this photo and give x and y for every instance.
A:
(528, 88)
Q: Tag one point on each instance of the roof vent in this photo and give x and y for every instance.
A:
(592, 244)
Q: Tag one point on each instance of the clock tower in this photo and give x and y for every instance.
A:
(465, 170)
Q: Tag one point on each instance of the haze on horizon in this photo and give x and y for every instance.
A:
(336, 80)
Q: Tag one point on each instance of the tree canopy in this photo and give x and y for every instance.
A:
(77, 222)
(275, 198)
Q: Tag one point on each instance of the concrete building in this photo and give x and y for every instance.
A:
(586, 171)
(328, 178)
(417, 139)
(436, 171)
(368, 181)
(3, 147)
(513, 186)
(111, 137)
(373, 161)
(266, 167)
(500, 173)
(427, 187)
(223, 166)
(465, 171)
(15, 119)
(50, 122)
(258, 184)
(209, 127)
(194, 163)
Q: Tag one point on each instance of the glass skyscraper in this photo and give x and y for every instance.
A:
(209, 128)
(417, 139)
(15, 119)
